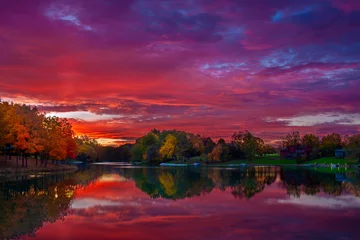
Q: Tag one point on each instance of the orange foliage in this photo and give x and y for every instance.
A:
(30, 132)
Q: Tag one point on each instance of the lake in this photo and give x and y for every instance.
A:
(123, 202)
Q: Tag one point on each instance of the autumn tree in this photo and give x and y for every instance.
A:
(220, 152)
(54, 143)
(167, 151)
(197, 144)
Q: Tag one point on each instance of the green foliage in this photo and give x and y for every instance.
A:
(352, 145)
(137, 153)
(248, 143)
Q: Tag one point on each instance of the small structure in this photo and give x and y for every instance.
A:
(340, 153)
(292, 151)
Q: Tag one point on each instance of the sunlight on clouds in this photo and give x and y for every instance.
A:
(111, 141)
(311, 120)
(83, 115)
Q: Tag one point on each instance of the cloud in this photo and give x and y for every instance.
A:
(341, 202)
(121, 68)
(311, 120)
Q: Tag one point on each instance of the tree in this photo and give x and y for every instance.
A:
(208, 145)
(167, 151)
(197, 144)
(352, 145)
(220, 152)
(54, 143)
(291, 139)
(25, 130)
(137, 152)
(268, 149)
(310, 140)
(184, 146)
(86, 148)
(248, 143)
(68, 134)
(330, 143)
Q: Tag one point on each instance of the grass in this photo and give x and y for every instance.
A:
(276, 160)
(333, 160)
(273, 159)
(332, 170)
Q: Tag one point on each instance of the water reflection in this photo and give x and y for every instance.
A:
(105, 202)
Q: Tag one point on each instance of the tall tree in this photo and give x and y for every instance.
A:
(167, 151)
(352, 145)
(248, 143)
(310, 140)
(330, 143)
(291, 139)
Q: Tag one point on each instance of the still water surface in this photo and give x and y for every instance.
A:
(117, 202)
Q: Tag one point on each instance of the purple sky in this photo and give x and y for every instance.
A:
(121, 68)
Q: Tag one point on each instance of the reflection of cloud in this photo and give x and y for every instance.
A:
(318, 201)
(92, 202)
(111, 178)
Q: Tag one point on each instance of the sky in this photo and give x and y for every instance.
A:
(212, 67)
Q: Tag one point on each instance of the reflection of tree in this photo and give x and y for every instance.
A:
(311, 183)
(27, 203)
(178, 183)
(353, 188)
(254, 182)
(167, 181)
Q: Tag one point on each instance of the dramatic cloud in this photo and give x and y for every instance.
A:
(121, 68)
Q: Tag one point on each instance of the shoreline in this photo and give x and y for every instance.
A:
(9, 168)
(37, 169)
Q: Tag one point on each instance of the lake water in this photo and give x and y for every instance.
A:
(121, 202)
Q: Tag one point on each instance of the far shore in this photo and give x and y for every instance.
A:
(9, 167)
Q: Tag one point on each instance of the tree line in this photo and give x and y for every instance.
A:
(24, 131)
(161, 146)
(325, 145)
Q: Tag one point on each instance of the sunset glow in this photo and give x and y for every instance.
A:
(118, 69)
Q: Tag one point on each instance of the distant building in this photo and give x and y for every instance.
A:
(340, 153)
(292, 151)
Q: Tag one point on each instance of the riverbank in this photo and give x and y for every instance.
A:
(271, 160)
(9, 167)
